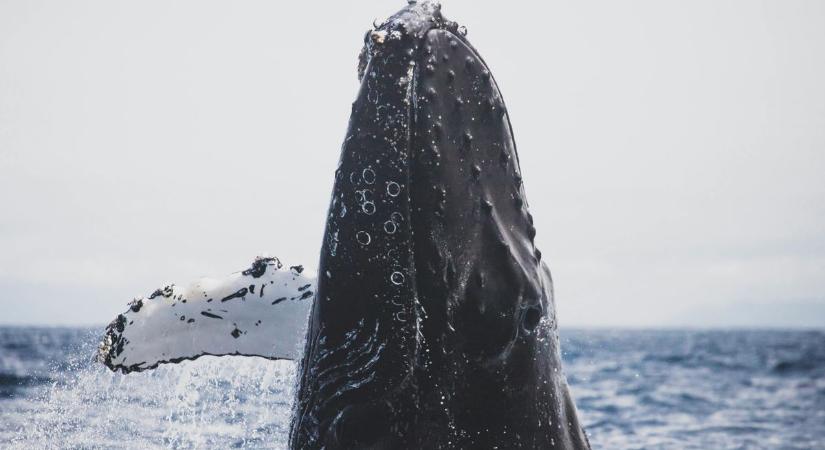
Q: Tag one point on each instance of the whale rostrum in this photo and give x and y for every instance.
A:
(434, 323)
(431, 324)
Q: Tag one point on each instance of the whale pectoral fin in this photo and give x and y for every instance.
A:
(261, 311)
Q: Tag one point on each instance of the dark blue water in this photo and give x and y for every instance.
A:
(634, 390)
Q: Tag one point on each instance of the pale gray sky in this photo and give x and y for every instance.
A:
(673, 151)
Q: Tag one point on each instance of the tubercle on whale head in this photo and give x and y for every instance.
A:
(406, 27)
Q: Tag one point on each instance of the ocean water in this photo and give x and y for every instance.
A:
(634, 389)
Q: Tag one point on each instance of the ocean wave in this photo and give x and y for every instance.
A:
(685, 390)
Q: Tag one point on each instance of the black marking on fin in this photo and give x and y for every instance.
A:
(136, 305)
(241, 292)
(166, 291)
(259, 266)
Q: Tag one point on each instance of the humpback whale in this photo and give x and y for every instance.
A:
(431, 323)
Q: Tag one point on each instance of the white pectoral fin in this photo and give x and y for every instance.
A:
(261, 311)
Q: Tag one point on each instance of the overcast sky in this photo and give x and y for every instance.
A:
(673, 151)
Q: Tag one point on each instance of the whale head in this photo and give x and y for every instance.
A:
(434, 323)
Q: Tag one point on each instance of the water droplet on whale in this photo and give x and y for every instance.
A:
(369, 176)
(363, 238)
(368, 208)
(393, 189)
(397, 278)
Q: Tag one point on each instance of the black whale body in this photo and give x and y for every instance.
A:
(434, 322)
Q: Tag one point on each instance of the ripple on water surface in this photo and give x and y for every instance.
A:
(634, 390)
